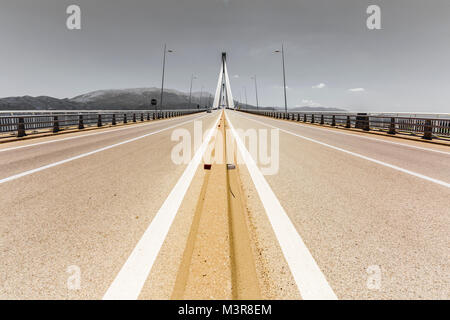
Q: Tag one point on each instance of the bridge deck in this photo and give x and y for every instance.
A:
(359, 203)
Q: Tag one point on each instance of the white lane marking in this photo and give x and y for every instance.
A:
(131, 278)
(362, 137)
(310, 280)
(83, 135)
(51, 165)
(418, 175)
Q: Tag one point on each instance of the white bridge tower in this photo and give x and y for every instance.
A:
(223, 97)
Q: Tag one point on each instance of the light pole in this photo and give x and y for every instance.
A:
(163, 73)
(240, 100)
(209, 101)
(284, 76)
(245, 95)
(201, 96)
(256, 91)
(190, 91)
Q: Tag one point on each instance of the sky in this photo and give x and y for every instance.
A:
(332, 59)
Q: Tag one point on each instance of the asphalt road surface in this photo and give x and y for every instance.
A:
(108, 214)
(359, 214)
(87, 213)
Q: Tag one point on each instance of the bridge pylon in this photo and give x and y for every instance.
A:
(224, 96)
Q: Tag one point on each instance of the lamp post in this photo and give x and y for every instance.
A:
(163, 74)
(245, 95)
(201, 97)
(284, 76)
(190, 91)
(209, 101)
(256, 91)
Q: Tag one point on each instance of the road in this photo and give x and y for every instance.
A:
(346, 215)
(354, 214)
(89, 212)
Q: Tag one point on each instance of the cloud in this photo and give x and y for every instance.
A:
(357, 90)
(236, 76)
(319, 86)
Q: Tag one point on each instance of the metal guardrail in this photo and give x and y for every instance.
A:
(428, 128)
(21, 123)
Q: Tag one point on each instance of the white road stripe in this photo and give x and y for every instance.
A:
(362, 137)
(82, 135)
(418, 175)
(54, 164)
(131, 278)
(310, 280)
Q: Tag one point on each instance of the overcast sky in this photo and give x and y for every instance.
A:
(329, 50)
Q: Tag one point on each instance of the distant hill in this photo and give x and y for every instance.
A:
(37, 103)
(125, 99)
(305, 109)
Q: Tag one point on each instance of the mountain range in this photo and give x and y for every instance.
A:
(122, 99)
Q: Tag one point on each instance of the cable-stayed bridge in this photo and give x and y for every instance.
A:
(153, 205)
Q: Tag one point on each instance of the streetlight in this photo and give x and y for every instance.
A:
(210, 101)
(256, 91)
(190, 91)
(284, 76)
(201, 96)
(245, 95)
(163, 73)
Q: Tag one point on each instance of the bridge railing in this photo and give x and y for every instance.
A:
(21, 123)
(429, 127)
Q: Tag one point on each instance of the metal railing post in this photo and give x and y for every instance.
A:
(322, 119)
(113, 121)
(366, 126)
(333, 120)
(362, 121)
(99, 121)
(55, 124)
(80, 122)
(312, 118)
(124, 118)
(428, 130)
(392, 126)
(134, 117)
(21, 127)
(348, 124)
